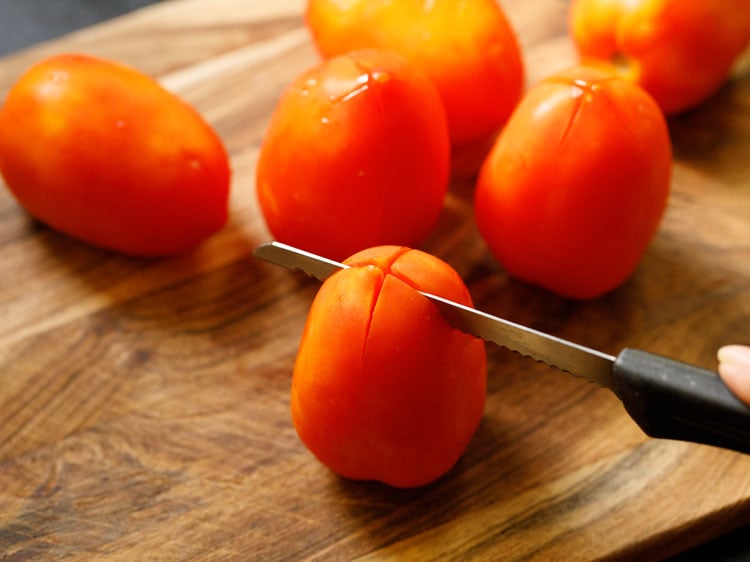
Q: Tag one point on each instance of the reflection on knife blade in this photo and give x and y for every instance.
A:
(666, 398)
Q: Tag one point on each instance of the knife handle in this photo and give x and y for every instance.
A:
(673, 400)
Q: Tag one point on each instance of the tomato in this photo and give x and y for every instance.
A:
(356, 155)
(383, 387)
(103, 153)
(467, 48)
(679, 51)
(575, 187)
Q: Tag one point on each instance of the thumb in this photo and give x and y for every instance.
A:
(734, 369)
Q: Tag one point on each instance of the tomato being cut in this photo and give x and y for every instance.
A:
(577, 183)
(356, 155)
(467, 48)
(383, 387)
(103, 153)
(679, 51)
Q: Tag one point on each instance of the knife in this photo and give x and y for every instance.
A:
(668, 399)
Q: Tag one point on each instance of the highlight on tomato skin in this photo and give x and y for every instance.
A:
(681, 52)
(575, 188)
(383, 388)
(356, 155)
(468, 48)
(101, 152)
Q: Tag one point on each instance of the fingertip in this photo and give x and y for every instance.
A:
(734, 369)
(734, 353)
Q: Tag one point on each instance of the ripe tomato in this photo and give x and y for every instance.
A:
(575, 187)
(103, 153)
(383, 387)
(356, 155)
(467, 48)
(680, 52)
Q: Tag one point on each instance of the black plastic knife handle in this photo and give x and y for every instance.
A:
(672, 400)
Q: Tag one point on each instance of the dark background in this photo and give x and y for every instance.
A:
(25, 22)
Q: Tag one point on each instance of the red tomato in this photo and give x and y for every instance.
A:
(575, 187)
(679, 51)
(383, 388)
(356, 155)
(103, 153)
(467, 48)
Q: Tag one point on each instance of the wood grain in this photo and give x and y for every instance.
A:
(144, 403)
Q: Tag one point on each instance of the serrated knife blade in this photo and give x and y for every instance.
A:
(666, 398)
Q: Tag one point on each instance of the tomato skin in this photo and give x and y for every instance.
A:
(679, 51)
(103, 153)
(575, 187)
(383, 388)
(356, 155)
(467, 48)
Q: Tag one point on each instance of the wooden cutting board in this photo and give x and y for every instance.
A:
(144, 403)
